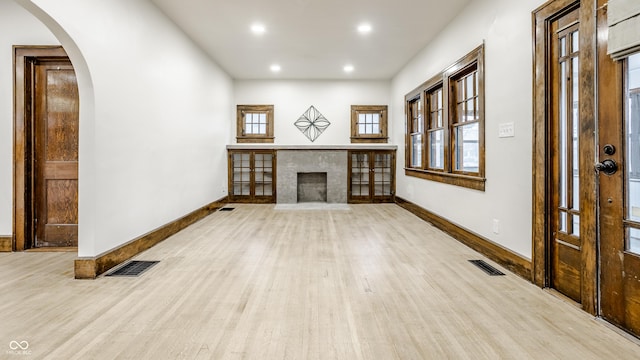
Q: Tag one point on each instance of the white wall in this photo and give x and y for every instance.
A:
(155, 148)
(17, 27)
(505, 26)
(291, 98)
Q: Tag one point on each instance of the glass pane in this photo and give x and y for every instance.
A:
(376, 128)
(436, 155)
(575, 120)
(469, 86)
(467, 148)
(563, 221)
(633, 140)
(461, 113)
(575, 44)
(263, 118)
(416, 150)
(633, 240)
(576, 225)
(562, 135)
(471, 110)
(563, 46)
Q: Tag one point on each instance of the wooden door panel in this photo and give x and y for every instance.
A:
(632, 292)
(565, 141)
(567, 274)
(56, 154)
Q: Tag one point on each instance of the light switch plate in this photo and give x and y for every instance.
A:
(506, 130)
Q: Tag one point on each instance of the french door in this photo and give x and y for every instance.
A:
(586, 230)
(619, 189)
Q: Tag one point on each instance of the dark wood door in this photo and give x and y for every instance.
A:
(619, 193)
(566, 244)
(55, 154)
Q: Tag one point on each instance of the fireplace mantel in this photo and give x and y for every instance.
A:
(312, 147)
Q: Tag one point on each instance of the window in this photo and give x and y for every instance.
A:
(414, 113)
(452, 104)
(436, 131)
(369, 124)
(255, 123)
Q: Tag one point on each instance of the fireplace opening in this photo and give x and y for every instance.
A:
(312, 187)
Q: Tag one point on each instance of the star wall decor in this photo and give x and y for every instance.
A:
(312, 123)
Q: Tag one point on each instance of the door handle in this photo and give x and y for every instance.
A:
(608, 167)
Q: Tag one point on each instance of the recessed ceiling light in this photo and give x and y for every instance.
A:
(258, 29)
(275, 68)
(364, 28)
(348, 68)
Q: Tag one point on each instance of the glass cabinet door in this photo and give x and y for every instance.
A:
(359, 174)
(382, 174)
(251, 176)
(241, 174)
(371, 174)
(263, 171)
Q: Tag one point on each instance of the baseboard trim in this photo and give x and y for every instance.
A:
(90, 268)
(6, 244)
(501, 255)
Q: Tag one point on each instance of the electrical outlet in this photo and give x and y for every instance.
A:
(496, 226)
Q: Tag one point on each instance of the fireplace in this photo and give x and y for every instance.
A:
(312, 187)
(332, 164)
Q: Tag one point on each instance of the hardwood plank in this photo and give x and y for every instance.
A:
(488, 248)
(90, 268)
(372, 282)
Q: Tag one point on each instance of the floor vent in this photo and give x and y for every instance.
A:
(486, 267)
(226, 209)
(133, 268)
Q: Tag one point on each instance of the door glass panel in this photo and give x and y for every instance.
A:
(633, 242)
(575, 132)
(382, 175)
(563, 136)
(633, 150)
(359, 174)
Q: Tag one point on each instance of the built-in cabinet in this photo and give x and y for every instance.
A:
(371, 176)
(252, 176)
(354, 173)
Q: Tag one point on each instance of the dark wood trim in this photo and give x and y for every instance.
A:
(501, 255)
(369, 138)
(6, 243)
(90, 268)
(22, 207)
(541, 19)
(241, 137)
(471, 182)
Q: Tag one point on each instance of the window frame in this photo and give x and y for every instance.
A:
(415, 97)
(446, 80)
(242, 136)
(356, 136)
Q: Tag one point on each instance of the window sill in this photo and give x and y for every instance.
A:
(362, 140)
(471, 182)
(248, 139)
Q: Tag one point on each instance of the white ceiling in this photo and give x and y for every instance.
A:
(311, 39)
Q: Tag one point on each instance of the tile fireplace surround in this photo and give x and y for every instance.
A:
(294, 159)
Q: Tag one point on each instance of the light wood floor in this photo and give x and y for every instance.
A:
(373, 282)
